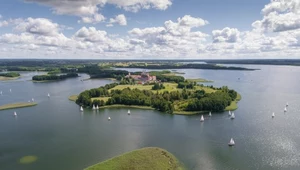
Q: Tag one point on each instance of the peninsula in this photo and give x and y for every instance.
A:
(17, 105)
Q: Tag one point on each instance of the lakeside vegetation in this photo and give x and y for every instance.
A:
(178, 96)
(53, 77)
(233, 105)
(73, 97)
(17, 105)
(141, 159)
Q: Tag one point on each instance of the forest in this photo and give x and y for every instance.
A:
(10, 74)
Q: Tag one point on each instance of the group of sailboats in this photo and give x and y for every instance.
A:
(284, 110)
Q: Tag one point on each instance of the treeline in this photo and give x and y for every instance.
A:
(158, 86)
(10, 74)
(95, 72)
(84, 98)
(196, 100)
(53, 77)
(185, 66)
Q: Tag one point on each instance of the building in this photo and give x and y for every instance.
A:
(144, 77)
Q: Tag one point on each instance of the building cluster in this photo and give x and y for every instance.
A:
(144, 77)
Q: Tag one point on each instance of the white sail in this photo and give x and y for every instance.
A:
(15, 113)
(285, 109)
(128, 112)
(1, 92)
(108, 118)
(97, 107)
(287, 104)
(10, 90)
(81, 109)
(273, 114)
(232, 115)
(202, 118)
(48, 95)
(231, 142)
(209, 114)
(94, 107)
(229, 113)
(32, 99)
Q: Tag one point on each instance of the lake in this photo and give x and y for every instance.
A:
(63, 138)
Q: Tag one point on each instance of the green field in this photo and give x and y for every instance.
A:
(73, 97)
(17, 105)
(233, 105)
(141, 159)
(2, 78)
(100, 98)
(168, 87)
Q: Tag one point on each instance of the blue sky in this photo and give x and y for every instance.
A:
(150, 29)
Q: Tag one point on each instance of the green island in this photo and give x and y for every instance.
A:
(154, 90)
(17, 105)
(141, 159)
(53, 77)
(9, 76)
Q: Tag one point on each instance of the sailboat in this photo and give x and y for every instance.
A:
(108, 118)
(209, 114)
(287, 104)
(94, 107)
(229, 113)
(32, 99)
(81, 109)
(97, 107)
(231, 142)
(285, 109)
(128, 112)
(273, 115)
(48, 95)
(9, 90)
(1, 92)
(232, 115)
(15, 113)
(202, 118)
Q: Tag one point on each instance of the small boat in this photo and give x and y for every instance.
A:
(1, 92)
(108, 118)
(231, 142)
(287, 104)
(202, 118)
(285, 109)
(10, 90)
(273, 115)
(94, 107)
(48, 95)
(209, 114)
(97, 107)
(232, 115)
(128, 112)
(81, 109)
(229, 113)
(32, 99)
(15, 113)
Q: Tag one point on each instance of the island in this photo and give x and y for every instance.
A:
(154, 90)
(9, 76)
(141, 159)
(53, 77)
(17, 105)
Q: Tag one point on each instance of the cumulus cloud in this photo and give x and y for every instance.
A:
(89, 10)
(280, 15)
(227, 34)
(119, 19)
(39, 26)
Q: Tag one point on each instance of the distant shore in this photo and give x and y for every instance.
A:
(2, 78)
(17, 105)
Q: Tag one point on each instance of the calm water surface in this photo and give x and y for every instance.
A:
(64, 139)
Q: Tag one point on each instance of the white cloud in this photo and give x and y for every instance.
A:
(39, 26)
(89, 10)
(119, 19)
(280, 15)
(230, 35)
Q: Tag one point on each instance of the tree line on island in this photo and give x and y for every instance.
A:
(195, 100)
(53, 77)
(10, 74)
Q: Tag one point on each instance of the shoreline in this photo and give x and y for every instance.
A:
(17, 105)
(3, 78)
(233, 105)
